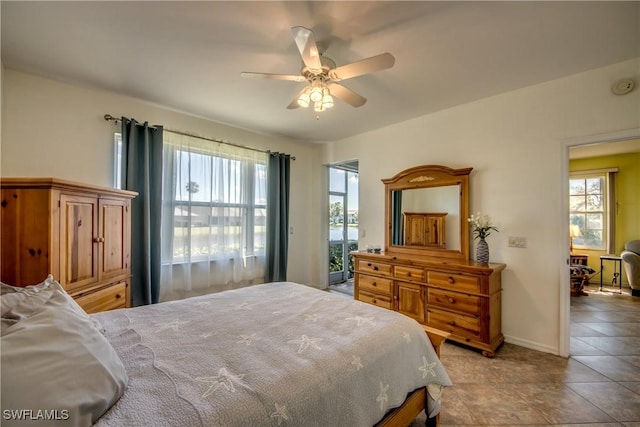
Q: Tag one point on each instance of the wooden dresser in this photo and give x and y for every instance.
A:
(81, 234)
(460, 297)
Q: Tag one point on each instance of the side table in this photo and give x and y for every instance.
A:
(617, 276)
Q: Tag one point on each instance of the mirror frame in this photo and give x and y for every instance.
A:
(427, 176)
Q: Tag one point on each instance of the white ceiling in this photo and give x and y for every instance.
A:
(188, 55)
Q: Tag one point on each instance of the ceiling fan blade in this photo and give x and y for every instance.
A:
(294, 103)
(364, 66)
(347, 95)
(308, 48)
(289, 77)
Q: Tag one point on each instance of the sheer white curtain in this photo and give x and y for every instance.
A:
(213, 218)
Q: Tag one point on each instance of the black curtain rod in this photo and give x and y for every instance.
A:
(110, 118)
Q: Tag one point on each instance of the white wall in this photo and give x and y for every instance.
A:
(515, 144)
(55, 129)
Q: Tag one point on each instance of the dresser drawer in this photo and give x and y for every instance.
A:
(409, 273)
(455, 282)
(104, 299)
(380, 268)
(469, 304)
(456, 324)
(379, 300)
(375, 284)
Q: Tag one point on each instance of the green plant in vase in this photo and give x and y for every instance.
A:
(481, 228)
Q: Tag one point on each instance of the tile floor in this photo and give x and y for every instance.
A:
(599, 385)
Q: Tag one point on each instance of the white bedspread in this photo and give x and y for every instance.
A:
(273, 354)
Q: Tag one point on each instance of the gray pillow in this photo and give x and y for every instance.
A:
(55, 363)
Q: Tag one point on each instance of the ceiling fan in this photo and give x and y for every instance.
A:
(322, 76)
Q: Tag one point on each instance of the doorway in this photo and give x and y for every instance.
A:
(599, 145)
(343, 220)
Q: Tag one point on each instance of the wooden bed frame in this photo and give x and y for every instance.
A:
(416, 401)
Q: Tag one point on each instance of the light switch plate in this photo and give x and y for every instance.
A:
(517, 242)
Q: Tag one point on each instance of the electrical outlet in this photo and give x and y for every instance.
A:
(517, 242)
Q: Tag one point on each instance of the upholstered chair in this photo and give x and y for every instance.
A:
(631, 261)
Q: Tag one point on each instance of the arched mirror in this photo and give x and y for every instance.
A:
(427, 211)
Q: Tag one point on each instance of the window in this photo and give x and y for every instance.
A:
(590, 217)
(216, 198)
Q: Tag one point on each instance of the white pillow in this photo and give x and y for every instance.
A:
(18, 303)
(55, 363)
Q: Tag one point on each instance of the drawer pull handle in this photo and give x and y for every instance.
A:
(375, 301)
(452, 323)
(98, 239)
(451, 300)
(369, 265)
(374, 284)
(451, 280)
(375, 268)
(118, 296)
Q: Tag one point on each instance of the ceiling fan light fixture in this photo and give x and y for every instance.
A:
(327, 99)
(318, 106)
(303, 99)
(316, 94)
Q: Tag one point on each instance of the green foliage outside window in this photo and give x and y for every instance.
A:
(336, 258)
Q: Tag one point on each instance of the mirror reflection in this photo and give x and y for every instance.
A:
(426, 217)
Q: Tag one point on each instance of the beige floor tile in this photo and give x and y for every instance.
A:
(617, 401)
(616, 346)
(612, 367)
(580, 348)
(613, 329)
(633, 360)
(582, 330)
(560, 404)
(499, 404)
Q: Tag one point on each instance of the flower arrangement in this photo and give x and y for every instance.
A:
(481, 225)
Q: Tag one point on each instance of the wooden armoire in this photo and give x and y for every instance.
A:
(79, 233)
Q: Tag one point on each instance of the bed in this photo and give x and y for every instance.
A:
(272, 354)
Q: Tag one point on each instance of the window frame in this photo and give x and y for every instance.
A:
(608, 203)
(249, 168)
(117, 160)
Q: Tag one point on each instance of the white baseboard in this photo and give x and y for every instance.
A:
(531, 345)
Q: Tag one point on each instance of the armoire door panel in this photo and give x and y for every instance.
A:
(113, 233)
(79, 244)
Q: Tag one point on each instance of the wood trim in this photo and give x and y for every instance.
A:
(407, 412)
(436, 336)
(64, 185)
(427, 176)
(440, 263)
